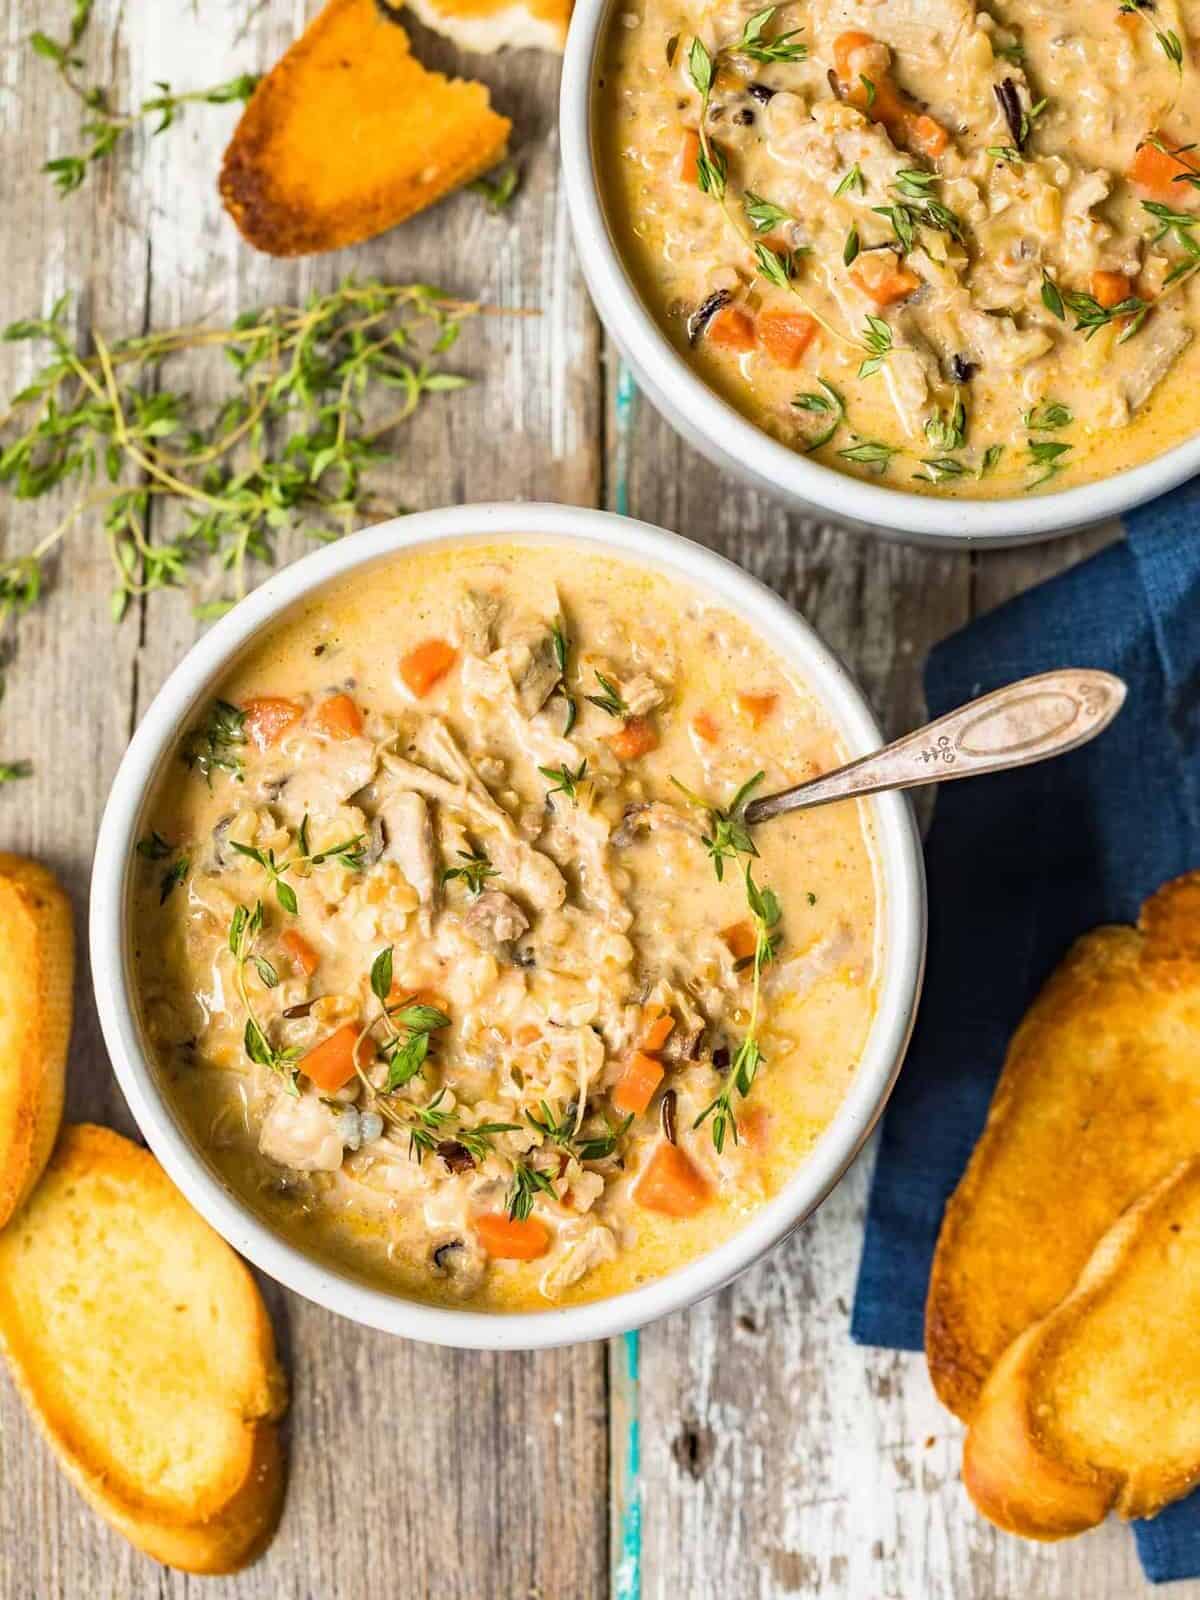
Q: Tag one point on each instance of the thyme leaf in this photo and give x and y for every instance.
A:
(829, 403)
(474, 872)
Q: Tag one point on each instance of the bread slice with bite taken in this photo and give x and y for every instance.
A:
(1096, 1408)
(1098, 1099)
(144, 1351)
(37, 964)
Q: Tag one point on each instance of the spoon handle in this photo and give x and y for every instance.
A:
(1011, 727)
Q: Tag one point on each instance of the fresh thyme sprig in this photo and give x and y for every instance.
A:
(212, 745)
(1047, 415)
(155, 848)
(347, 853)
(244, 930)
(407, 1024)
(476, 869)
(1046, 454)
(290, 446)
(727, 836)
(562, 1131)
(562, 654)
(765, 913)
(948, 431)
(105, 127)
(609, 699)
(1177, 225)
(564, 780)
(1168, 40)
(876, 340)
(1090, 316)
(432, 1128)
(527, 1183)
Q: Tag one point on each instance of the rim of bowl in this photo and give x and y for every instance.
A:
(900, 876)
(690, 405)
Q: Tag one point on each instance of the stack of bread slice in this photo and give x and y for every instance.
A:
(1066, 1284)
(136, 1336)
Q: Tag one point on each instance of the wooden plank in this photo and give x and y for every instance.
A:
(438, 1471)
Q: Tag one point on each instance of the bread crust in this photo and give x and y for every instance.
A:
(348, 135)
(1024, 1468)
(1098, 1099)
(37, 965)
(215, 1526)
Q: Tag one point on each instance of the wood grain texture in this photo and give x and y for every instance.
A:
(776, 1459)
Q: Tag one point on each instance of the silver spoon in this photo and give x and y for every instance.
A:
(1024, 722)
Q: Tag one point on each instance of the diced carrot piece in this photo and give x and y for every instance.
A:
(508, 1240)
(1158, 173)
(268, 718)
(427, 664)
(704, 727)
(1110, 288)
(672, 1184)
(637, 737)
(688, 167)
(303, 957)
(741, 940)
(926, 135)
(658, 1025)
(330, 1064)
(883, 278)
(786, 335)
(846, 45)
(338, 717)
(731, 329)
(635, 1088)
(756, 708)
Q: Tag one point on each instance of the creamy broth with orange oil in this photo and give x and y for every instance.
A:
(453, 951)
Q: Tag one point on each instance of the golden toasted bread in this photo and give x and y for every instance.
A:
(37, 963)
(144, 1351)
(349, 134)
(485, 25)
(1099, 1097)
(1096, 1408)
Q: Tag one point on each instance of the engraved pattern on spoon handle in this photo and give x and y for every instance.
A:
(1026, 721)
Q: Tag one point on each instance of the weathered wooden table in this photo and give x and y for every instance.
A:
(742, 1449)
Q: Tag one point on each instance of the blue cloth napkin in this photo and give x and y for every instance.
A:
(1023, 863)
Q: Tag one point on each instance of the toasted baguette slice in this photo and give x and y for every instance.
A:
(349, 134)
(37, 965)
(1096, 1408)
(486, 25)
(1099, 1097)
(145, 1353)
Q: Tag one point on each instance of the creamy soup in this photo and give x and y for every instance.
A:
(446, 973)
(950, 248)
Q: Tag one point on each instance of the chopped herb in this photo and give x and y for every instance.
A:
(474, 872)
(527, 1183)
(209, 747)
(871, 453)
(1005, 152)
(851, 183)
(154, 847)
(710, 163)
(562, 649)
(609, 700)
(562, 1131)
(565, 781)
(1014, 52)
(764, 214)
(1047, 414)
(776, 266)
(949, 431)
(497, 192)
(407, 1026)
(172, 878)
(991, 459)
(877, 342)
(1091, 316)
(904, 220)
(870, 89)
(851, 247)
(1177, 225)
(1045, 453)
(829, 404)
(602, 1146)
(1052, 297)
(728, 835)
(939, 468)
(1169, 44)
(431, 1124)
(915, 183)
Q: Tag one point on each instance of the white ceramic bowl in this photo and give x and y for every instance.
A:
(903, 894)
(725, 436)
